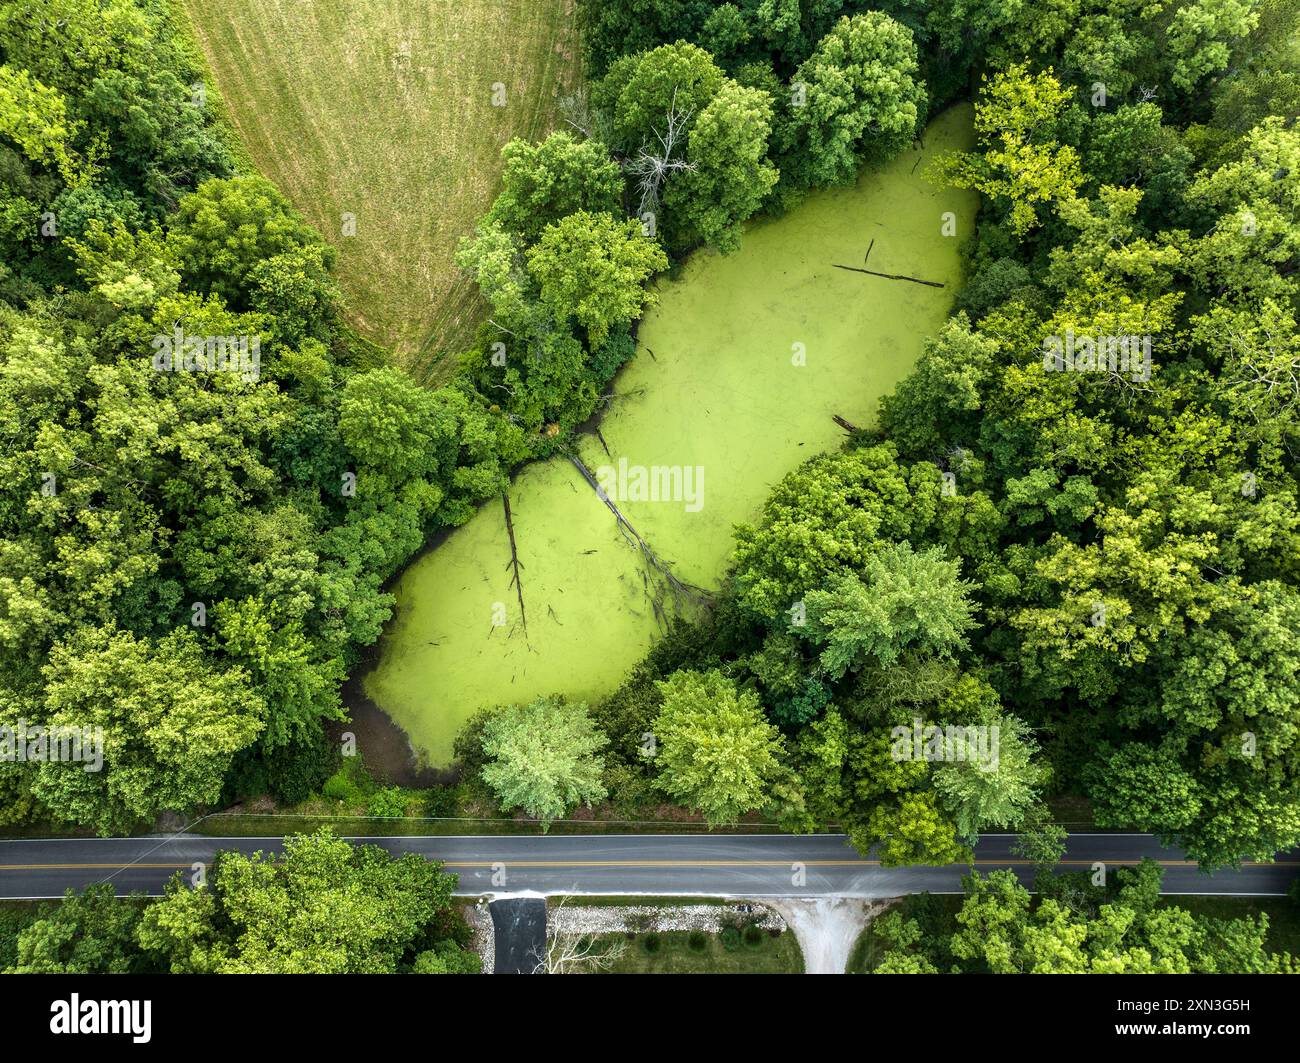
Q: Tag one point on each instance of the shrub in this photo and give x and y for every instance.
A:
(350, 784)
(697, 941)
(294, 772)
(338, 787)
(651, 943)
(390, 801)
(730, 938)
(753, 936)
(440, 801)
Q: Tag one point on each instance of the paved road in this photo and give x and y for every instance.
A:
(773, 865)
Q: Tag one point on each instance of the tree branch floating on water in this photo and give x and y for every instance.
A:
(658, 578)
(515, 563)
(889, 276)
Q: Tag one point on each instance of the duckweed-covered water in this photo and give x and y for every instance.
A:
(740, 369)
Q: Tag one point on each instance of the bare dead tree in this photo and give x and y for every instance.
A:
(652, 165)
(592, 123)
(569, 953)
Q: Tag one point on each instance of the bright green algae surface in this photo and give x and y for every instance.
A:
(713, 387)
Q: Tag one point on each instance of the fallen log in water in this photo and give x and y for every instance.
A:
(664, 578)
(515, 563)
(889, 276)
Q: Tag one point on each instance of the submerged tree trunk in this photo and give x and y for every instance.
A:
(889, 276)
(658, 579)
(515, 563)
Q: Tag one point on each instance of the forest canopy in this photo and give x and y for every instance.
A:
(1075, 521)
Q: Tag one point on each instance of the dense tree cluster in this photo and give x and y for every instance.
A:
(322, 906)
(205, 480)
(1076, 522)
(1071, 927)
(1075, 525)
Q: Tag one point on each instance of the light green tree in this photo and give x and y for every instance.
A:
(1201, 36)
(542, 183)
(716, 752)
(903, 600)
(544, 757)
(997, 790)
(228, 226)
(172, 719)
(92, 932)
(323, 906)
(1250, 249)
(1020, 164)
(731, 175)
(593, 268)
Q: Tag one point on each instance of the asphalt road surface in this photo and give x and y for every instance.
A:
(767, 865)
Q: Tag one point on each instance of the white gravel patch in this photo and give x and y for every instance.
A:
(711, 918)
(484, 943)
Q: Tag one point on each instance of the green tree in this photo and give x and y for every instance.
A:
(997, 790)
(544, 757)
(171, 721)
(716, 752)
(863, 100)
(1252, 245)
(909, 828)
(835, 511)
(92, 932)
(1201, 36)
(1041, 841)
(447, 957)
(1022, 165)
(542, 183)
(323, 906)
(731, 174)
(397, 428)
(227, 227)
(936, 407)
(903, 600)
(593, 268)
(674, 79)
(35, 118)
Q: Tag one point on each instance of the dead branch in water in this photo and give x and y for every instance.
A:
(515, 564)
(889, 276)
(869, 247)
(848, 426)
(664, 580)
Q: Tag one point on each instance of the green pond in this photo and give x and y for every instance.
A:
(740, 368)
